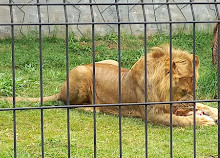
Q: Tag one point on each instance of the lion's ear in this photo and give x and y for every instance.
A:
(197, 60)
(157, 52)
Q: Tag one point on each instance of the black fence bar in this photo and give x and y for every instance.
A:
(67, 80)
(194, 92)
(13, 79)
(218, 64)
(104, 4)
(94, 82)
(145, 80)
(41, 79)
(119, 79)
(194, 81)
(171, 83)
(218, 89)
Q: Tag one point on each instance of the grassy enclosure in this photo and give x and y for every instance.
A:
(81, 123)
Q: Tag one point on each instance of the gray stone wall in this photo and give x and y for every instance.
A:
(105, 13)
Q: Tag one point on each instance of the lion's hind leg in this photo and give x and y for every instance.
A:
(80, 79)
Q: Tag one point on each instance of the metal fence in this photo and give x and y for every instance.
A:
(11, 4)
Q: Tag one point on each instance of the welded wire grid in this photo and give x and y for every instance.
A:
(11, 4)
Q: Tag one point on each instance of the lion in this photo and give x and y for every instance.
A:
(133, 88)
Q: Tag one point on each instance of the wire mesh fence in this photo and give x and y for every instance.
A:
(144, 22)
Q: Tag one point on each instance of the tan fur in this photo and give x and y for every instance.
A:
(132, 88)
(215, 45)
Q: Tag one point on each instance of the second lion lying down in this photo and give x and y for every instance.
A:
(133, 87)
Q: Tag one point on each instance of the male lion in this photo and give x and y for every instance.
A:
(133, 87)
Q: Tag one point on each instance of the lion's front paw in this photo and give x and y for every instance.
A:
(204, 120)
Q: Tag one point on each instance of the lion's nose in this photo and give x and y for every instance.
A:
(188, 97)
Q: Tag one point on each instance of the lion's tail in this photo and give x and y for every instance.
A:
(45, 99)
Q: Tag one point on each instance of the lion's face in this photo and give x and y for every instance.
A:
(183, 78)
(183, 89)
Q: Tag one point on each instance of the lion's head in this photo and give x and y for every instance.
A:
(158, 76)
(182, 72)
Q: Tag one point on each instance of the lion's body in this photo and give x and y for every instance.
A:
(106, 76)
(133, 87)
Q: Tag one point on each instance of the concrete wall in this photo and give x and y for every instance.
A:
(55, 14)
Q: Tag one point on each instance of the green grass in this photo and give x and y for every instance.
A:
(81, 123)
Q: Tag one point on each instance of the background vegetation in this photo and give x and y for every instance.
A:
(81, 123)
